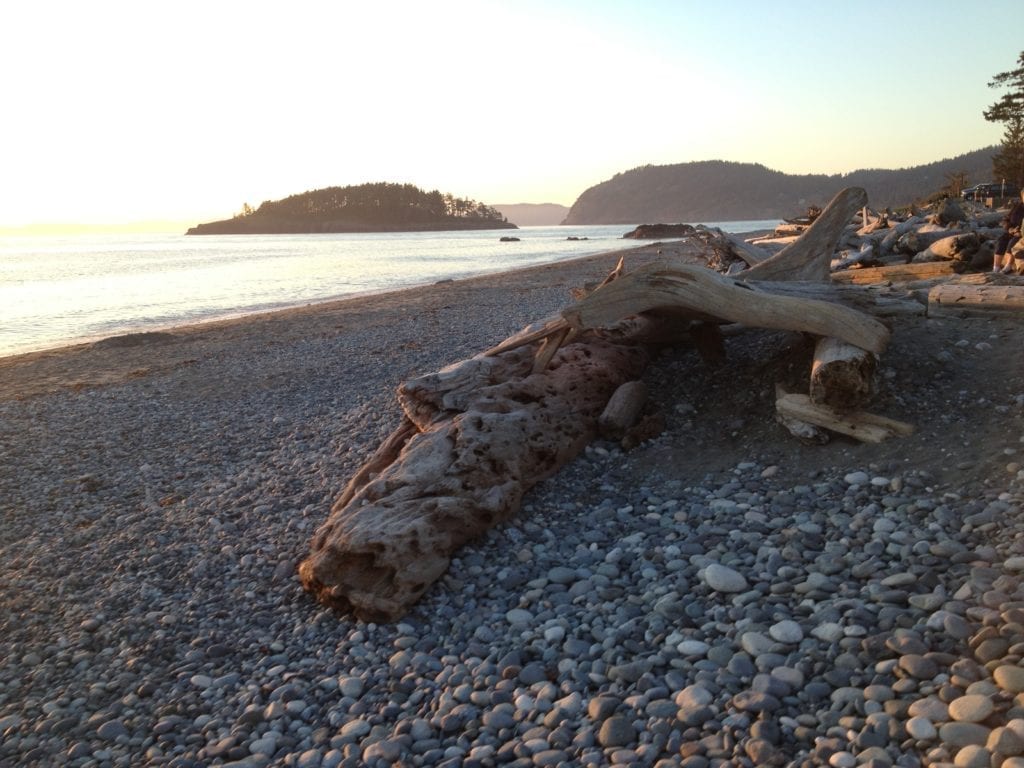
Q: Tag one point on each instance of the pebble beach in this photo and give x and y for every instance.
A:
(157, 492)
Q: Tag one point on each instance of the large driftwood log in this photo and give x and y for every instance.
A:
(877, 300)
(960, 247)
(963, 299)
(917, 240)
(393, 536)
(478, 434)
(893, 235)
(898, 273)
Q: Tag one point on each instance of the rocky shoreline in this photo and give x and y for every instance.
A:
(720, 596)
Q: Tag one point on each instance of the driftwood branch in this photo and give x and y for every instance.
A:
(860, 425)
(702, 294)
(732, 245)
(809, 257)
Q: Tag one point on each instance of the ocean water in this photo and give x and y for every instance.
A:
(61, 290)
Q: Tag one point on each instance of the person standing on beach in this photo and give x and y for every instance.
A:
(1009, 238)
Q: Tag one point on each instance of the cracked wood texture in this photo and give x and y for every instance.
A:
(483, 432)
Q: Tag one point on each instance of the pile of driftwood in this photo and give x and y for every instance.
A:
(955, 236)
(478, 434)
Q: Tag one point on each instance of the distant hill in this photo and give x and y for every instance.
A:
(716, 190)
(533, 214)
(377, 207)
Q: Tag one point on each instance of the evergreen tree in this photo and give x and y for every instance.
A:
(1008, 163)
(956, 182)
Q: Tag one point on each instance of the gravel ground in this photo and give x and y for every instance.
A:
(720, 596)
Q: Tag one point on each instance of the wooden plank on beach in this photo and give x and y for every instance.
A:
(863, 426)
(897, 273)
(966, 300)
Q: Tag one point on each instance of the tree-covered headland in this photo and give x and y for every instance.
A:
(375, 207)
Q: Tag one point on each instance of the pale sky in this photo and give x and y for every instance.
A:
(119, 112)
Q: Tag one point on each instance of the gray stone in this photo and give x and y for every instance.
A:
(351, 686)
(602, 707)
(561, 574)
(1005, 741)
(973, 756)
(692, 648)
(921, 667)
(629, 672)
(755, 701)
(616, 731)
(721, 578)
(786, 631)
(111, 729)
(533, 672)
(971, 708)
(959, 734)
(518, 616)
(930, 707)
(264, 746)
(921, 728)
(1009, 677)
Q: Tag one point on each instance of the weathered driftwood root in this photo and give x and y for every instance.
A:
(731, 247)
(473, 452)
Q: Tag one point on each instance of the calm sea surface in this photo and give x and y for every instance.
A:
(65, 289)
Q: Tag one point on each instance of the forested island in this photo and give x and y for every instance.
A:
(374, 207)
(716, 190)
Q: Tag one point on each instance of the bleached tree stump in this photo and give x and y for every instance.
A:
(841, 375)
